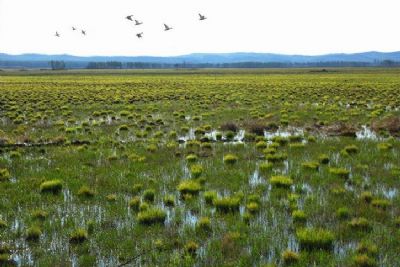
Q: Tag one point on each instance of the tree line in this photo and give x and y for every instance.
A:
(60, 65)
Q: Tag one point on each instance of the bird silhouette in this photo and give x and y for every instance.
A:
(202, 17)
(137, 23)
(129, 17)
(57, 34)
(83, 32)
(139, 35)
(73, 28)
(167, 28)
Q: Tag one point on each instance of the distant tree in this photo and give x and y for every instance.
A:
(57, 65)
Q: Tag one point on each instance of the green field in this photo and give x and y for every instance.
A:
(275, 167)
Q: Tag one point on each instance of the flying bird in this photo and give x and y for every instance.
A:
(202, 17)
(137, 23)
(73, 28)
(57, 34)
(83, 32)
(167, 28)
(139, 35)
(129, 17)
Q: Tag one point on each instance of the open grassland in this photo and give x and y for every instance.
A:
(200, 167)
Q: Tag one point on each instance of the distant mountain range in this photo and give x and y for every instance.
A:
(7, 60)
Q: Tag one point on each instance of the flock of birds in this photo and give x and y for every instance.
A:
(137, 23)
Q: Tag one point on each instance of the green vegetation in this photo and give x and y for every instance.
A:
(200, 168)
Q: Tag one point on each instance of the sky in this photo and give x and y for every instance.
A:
(308, 27)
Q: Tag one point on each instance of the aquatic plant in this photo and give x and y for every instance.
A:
(230, 159)
(253, 207)
(265, 166)
(78, 236)
(39, 214)
(204, 224)
(299, 216)
(278, 157)
(281, 181)
(360, 223)
(191, 248)
(151, 216)
(196, 170)
(191, 158)
(340, 172)
(363, 261)
(209, 197)
(343, 213)
(51, 186)
(315, 238)
(290, 257)
(4, 175)
(85, 191)
(134, 203)
(323, 159)
(191, 187)
(149, 195)
(381, 203)
(227, 204)
(169, 201)
(311, 165)
(33, 233)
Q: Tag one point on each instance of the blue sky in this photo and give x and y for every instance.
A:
(277, 26)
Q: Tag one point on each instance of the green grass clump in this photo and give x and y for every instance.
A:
(227, 204)
(340, 172)
(381, 203)
(196, 170)
(78, 236)
(323, 159)
(297, 145)
(134, 203)
(253, 207)
(290, 257)
(209, 197)
(315, 238)
(261, 145)
(85, 191)
(191, 248)
(52, 186)
(151, 216)
(265, 167)
(230, 159)
(169, 201)
(311, 165)
(33, 233)
(299, 216)
(281, 181)
(4, 175)
(360, 223)
(3, 224)
(204, 224)
(367, 248)
(384, 146)
(280, 140)
(351, 149)
(191, 158)
(190, 187)
(366, 196)
(343, 213)
(124, 127)
(39, 214)
(149, 195)
(363, 260)
(278, 157)
(111, 197)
